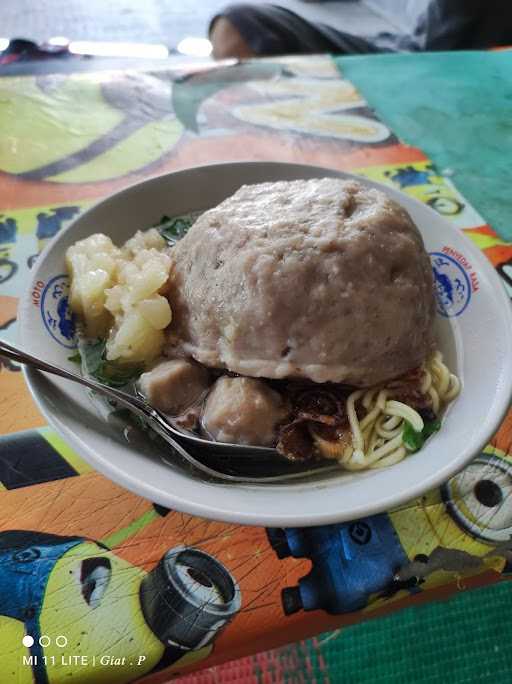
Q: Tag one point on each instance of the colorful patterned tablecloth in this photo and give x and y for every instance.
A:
(99, 585)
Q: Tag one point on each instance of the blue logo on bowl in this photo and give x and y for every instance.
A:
(452, 285)
(57, 316)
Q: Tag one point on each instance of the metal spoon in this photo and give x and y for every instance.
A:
(160, 424)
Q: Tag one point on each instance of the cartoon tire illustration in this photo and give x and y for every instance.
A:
(188, 598)
(73, 596)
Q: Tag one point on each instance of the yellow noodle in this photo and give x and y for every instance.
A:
(391, 423)
(377, 439)
(426, 382)
(388, 434)
(376, 411)
(395, 457)
(437, 356)
(442, 377)
(350, 464)
(348, 453)
(385, 449)
(358, 457)
(367, 433)
(375, 442)
(357, 437)
(398, 408)
(434, 396)
(454, 389)
(368, 398)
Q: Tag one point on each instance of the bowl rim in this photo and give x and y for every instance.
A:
(502, 398)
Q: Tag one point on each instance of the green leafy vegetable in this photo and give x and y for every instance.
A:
(108, 372)
(431, 427)
(75, 358)
(173, 229)
(414, 440)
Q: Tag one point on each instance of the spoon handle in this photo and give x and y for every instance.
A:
(16, 354)
(156, 419)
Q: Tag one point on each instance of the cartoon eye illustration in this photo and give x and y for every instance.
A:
(447, 206)
(95, 574)
(7, 269)
(477, 498)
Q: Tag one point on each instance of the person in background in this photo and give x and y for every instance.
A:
(266, 28)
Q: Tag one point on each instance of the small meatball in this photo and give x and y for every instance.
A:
(173, 386)
(189, 419)
(243, 411)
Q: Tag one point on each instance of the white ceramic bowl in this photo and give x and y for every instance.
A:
(474, 332)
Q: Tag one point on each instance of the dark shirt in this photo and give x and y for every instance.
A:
(353, 26)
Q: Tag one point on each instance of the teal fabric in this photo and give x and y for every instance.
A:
(457, 108)
(462, 641)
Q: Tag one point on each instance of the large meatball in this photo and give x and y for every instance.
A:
(322, 279)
